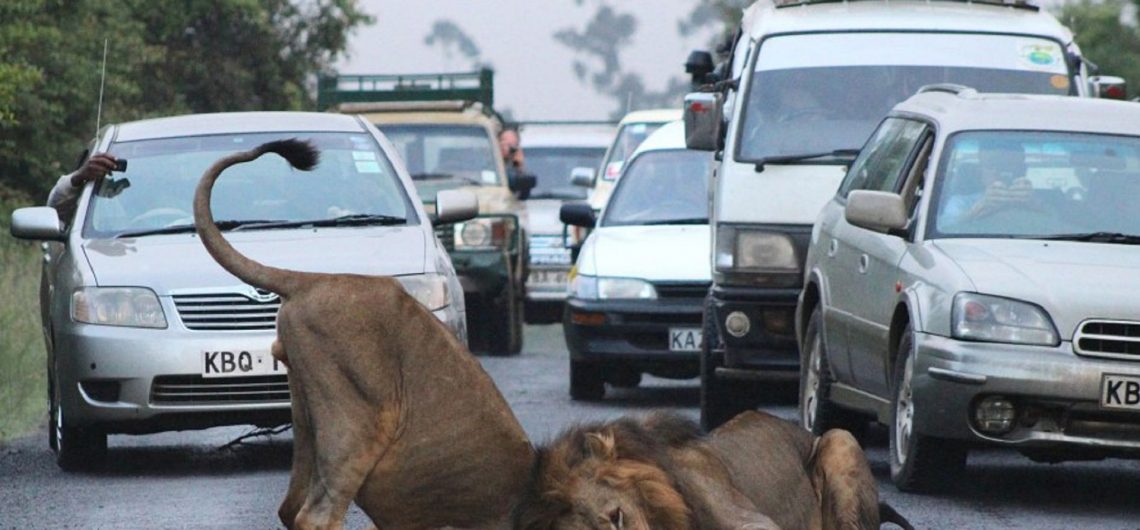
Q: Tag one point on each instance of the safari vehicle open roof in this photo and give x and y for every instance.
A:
(464, 92)
(948, 16)
(960, 108)
(236, 123)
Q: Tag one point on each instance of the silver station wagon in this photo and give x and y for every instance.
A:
(974, 282)
(145, 332)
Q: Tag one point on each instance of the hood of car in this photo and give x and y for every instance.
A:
(655, 253)
(543, 217)
(1073, 281)
(169, 263)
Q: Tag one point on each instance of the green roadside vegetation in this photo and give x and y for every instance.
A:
(23, 380)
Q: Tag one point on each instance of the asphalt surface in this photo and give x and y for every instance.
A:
(192, 479)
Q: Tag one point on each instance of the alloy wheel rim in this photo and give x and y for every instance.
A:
(811, 392)
(904, 413)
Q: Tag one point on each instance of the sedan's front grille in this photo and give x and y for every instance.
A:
(226, 312)
(446, 235)
(682, 289)
(1108, 338)
(197, 390)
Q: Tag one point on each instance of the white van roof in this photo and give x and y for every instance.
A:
(766, 18)
(652, 116)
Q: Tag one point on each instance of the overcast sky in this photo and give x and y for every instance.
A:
(533, 72)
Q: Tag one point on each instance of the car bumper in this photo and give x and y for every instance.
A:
(633, 333)
(1056, 394)
(769, 347)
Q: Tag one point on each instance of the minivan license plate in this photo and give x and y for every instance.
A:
(222, 363)
(684, 339)
(1120, 392)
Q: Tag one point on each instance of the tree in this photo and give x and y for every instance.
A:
(1106, 38)
(163, 58)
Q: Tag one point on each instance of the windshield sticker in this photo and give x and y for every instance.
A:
(1041, 56)
(638, 128)
(489, 176)
(366, 166)
(1060, 82)
(363, 155)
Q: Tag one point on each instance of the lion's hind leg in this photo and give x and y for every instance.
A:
(844, 485)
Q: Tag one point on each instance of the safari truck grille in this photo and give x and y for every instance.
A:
(1108, 338)
(446, 235)
(226, 312)
(196, 390)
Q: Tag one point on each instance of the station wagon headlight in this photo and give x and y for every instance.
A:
(484, 233)
(430, 290)
(135, 307)
(994, 319)
(756, 257)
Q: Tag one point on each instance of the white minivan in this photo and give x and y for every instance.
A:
(803, 87)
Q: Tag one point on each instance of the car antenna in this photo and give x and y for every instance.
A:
(102, 82)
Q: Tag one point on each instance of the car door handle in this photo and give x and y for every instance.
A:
(832, 248)
(863, 262)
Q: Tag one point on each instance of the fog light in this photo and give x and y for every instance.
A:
(737, 324)
(995, 415)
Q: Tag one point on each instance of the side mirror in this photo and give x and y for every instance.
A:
(1109, 87)
(583, 177)
(453, 206)
(699, 65)
(578, 214)
(879, 211)
(703, 111)
(37, 222)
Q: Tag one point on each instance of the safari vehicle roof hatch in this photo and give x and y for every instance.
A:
(445, 92)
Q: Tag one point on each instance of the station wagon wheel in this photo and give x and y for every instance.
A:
(817, 412)
(918, 463)
(76, 448)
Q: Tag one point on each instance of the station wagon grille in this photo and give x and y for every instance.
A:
(226, 312)
(1108, 338)
(446, 235)
(197, 390)
(682, 289)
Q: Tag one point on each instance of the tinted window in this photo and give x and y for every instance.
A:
(445, 156)
(553, 165)
(662, 187)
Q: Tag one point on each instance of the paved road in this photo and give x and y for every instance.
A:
(183, 480)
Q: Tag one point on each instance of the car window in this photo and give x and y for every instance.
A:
(443, 157)
(628, 139)
(662, 187)
(552, 167)
(881, 162)
(353, 177)
(1036, 184)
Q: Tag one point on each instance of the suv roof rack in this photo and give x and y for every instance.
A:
(464, 89)
(948, 88)
(1019, 4)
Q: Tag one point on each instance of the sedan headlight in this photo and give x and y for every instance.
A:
(604, 288)
(135, 307)
(485, 233)
(764, 258)
(430, 290)
(992, 319)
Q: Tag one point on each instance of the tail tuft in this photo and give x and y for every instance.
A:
(300, 154)
(887, 514)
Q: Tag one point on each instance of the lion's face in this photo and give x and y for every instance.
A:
(596, 502)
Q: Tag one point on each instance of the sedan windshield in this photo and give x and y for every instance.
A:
(628, 139)
(354, 179)
(441, 157)
(552, 167)
(817, 93)
(1074, 186)
(662, 187)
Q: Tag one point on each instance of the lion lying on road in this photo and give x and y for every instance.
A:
(389, 409)
(755, 472)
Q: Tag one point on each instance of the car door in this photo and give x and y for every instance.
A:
(866, 264)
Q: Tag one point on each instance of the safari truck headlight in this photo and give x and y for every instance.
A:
(756, 257)
(993, 319)
(430, 290)
(135, 307)
(485, 233)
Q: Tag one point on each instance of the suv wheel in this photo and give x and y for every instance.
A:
(76, 448)
(918, 463)
(502, 324)
(721, 399)
(586, 382)
(817, 413)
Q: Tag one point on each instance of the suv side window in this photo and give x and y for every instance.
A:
(880, 165)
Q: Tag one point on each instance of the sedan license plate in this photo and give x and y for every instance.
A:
(684, 339)
(221, 363)
(1120, 392)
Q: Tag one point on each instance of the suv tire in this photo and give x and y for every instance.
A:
(817, 412)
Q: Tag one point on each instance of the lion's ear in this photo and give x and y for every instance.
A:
(601, 445)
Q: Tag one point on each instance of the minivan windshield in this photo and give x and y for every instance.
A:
(823, 92)
(662, 187)
(1038, 185)
(441, 157)
(353, 184)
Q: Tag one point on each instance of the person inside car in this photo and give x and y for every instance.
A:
(513, 158)
(1001, 183)
(65, 194)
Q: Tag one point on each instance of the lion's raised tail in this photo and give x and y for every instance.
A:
(887, 514)
(300, 155)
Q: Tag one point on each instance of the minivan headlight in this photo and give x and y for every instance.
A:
(430, 290)
(994, 319)
(135, 307)
(756, 257)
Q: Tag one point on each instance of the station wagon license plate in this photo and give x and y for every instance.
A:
(1120, 392)
(684, 339)
(222, 363)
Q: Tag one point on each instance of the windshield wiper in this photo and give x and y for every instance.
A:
(1097, 237)
(683, 221)
(556, 195)
(843, 154)
(363, 219)
(229, 224)
(446, 176)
